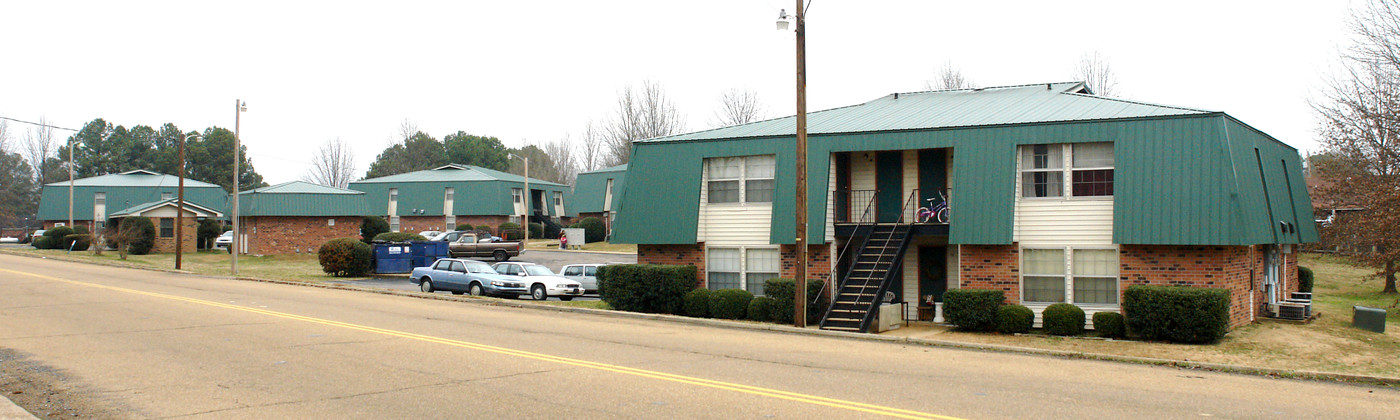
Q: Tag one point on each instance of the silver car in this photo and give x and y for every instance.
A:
(585, 274)
(541, 282)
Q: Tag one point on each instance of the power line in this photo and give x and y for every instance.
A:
(38, 124)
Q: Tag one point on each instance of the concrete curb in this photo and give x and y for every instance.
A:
(11, 411)
(785, 329)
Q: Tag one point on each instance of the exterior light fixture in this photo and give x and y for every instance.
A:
(782, 20)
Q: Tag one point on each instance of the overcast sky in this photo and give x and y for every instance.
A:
(540, 70)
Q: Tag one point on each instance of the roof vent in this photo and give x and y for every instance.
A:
(896, 95)
(1047, 86)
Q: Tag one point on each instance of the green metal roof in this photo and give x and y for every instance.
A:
(453, 173)
(141, 208)
(590, 190)
(136, 178)
(1182, 177)
(1024, 104)
(299, 198)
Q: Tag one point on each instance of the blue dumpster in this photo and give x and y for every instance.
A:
(392, 258)
(427, 252)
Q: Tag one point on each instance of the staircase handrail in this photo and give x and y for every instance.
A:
(869, 205)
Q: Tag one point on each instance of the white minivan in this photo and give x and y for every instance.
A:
(585, 274)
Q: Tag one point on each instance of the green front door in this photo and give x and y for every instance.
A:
(889, 186)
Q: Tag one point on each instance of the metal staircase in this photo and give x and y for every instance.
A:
(876, 266)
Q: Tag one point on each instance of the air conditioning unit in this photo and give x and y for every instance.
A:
(1294, 310)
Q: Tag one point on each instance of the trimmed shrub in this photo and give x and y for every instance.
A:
(138, 235)
(209, 229)
(57, 234)
(648, 288)
(761, 309)
(80, 229)
(783, 292)
(465, 227)
(344, 257)
(78, 241)
(1014, 319)
(730, 303)
(697, 303)
(1305, 279)
(593, 229)
(536, 230)
(510, 231)
(1062, 319)
(972, 309)
(372, 226)
(398, 237)
(552, 231)
(1109, 324)
(43, 242)
(1177, 313)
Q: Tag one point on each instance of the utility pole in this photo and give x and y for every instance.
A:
(180, 210)
(70, 180)
(239, 107)
(800, 276)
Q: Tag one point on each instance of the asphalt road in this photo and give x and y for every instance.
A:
(127, 343)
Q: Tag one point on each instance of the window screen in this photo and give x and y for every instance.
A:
(1043, 278)
(762, 264)
(1096, 276)
(1042, 172)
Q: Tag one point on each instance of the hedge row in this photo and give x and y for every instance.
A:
(1177, 313)
(345, 257)
(646, 288)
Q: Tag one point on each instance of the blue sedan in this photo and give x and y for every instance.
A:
(466, 276)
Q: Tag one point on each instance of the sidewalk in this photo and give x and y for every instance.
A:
(10, 411)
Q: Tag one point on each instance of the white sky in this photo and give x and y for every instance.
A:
(536, 71)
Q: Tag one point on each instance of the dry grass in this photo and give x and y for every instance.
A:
(297, 267)
(1328, 344)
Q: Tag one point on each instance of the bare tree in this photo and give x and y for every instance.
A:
(738, 107)
(640, 114)
(564, 164)
(949, 78)
(1359, 116)
(591, 154)
(39, 146)
(407, 129)
(4, 137)
(333, 165)
(1094, 70)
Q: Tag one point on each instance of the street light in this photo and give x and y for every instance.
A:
(800, 274)
(525, 196)
(239, 108)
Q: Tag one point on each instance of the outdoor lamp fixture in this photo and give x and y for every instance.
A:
(800, 226)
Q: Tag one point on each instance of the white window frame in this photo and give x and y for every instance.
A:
(1070, 277)
(517, 194)
(742, 180)
(1066, 170)
(743, 265)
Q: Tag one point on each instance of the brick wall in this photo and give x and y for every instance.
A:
(674, 255)
(415, 224)
(292, 234)
(991, 267)
(190, 233)
(1222, 267)
(818, 262)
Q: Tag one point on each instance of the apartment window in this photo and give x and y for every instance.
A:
(449, 194)
(1092, 172)
(1044, 169)
(517, 194)
(1043, 275)
(167, 195)
(451, 223)
(741, 268)
(747, 179)
(1096, 276)
(167, 228)
(558, 198)
(723, 268)
(393, 223)
(1092, 276)
(762, 264)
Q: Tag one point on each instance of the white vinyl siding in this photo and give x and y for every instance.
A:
(862, 173)
(393, 209)
(911, 281)
(450, 219)
(1059, 220)
(99, 209)
(558, 204)
(732, 223)
(910, 178)
(830, 203)
(517, 196)
(607, 196)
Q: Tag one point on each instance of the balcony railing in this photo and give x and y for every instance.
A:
(862, 207)
(854, 206)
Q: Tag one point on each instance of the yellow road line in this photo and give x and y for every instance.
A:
(689, 380)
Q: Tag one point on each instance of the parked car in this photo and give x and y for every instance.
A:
(36, 235)
(585, 274)
(224, 240)
(542, 282)
(466, 276)
(468, 245)
(429, 234)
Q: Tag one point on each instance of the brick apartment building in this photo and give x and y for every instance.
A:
(1055, 195)
(297, 217)
(163, 216)
(444, 197)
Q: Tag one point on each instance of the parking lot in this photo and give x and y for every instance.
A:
(554, 260)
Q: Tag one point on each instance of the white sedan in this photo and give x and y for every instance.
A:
(542, 282)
